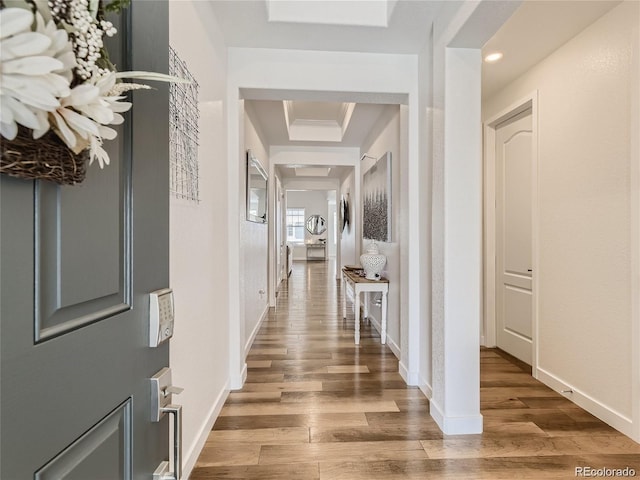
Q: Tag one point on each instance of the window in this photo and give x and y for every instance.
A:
(295, 224)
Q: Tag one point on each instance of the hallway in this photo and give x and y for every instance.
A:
(314, 406)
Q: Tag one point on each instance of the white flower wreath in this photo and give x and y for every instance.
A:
(55, 73)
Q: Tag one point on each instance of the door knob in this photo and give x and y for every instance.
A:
(163, 472)
(171, 389)
(161, 391)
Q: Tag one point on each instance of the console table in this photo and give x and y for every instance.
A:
(320, 248)
(358, 284)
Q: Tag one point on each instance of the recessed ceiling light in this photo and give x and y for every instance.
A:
(493, 57)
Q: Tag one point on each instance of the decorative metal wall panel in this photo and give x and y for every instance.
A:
(183, 124)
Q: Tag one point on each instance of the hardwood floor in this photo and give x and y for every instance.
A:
(315, 406)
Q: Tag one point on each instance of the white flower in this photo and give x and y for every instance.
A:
(32, 78)
(61, 47)
(122, 87)
(82, 117)
(40, 61)
(97, 152)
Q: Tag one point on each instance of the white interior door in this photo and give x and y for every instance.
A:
(514, 161)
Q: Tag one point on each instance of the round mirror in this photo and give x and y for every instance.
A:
(316, 225)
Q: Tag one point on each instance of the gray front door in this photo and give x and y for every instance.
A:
(77, 265)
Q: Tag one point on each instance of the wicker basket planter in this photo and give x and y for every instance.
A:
(46, 158)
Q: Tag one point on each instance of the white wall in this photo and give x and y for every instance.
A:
(330, 156)
(425, 105)
(199, 348)
(314, 202)
(385, 137)
(280, 234)
(454, 100)
(588, 106)
(347, 237)
(332, 225)
(359, 77)
(253, 240)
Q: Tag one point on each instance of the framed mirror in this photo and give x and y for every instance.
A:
(256, 190)
(316, 224)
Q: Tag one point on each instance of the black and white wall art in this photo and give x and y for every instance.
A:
(345, 212)
(376, 196)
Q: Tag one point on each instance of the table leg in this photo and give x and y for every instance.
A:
(366, 306)
(344, 297)
(383, 334)
(356, 302)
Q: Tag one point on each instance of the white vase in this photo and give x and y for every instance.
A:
(373, 262)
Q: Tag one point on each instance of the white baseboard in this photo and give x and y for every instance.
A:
(194, 452)
(252, 337)
(483, 342)
(404, 373)
(426, 388)
(410, 378)
(467, 425)
(237, 382)
(393, 346)
(607, 414)
(374, 321)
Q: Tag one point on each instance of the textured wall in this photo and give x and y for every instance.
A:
(198, 246)
(253, 238)
(425, 74)
(385, 137)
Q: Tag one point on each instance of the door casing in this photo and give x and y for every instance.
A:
(489, 334)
